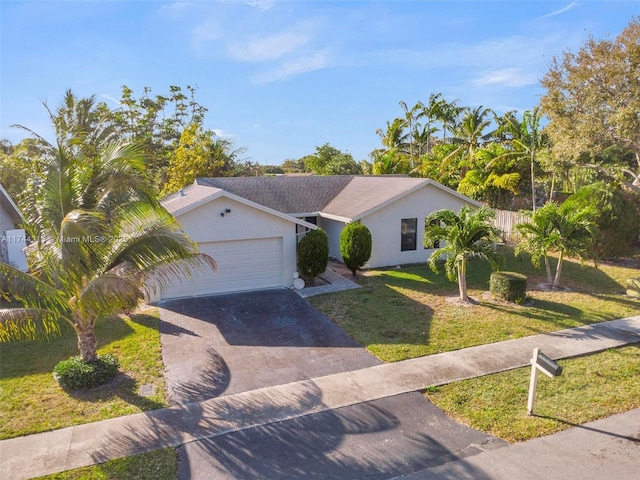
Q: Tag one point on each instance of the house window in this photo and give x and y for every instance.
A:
(408, 234)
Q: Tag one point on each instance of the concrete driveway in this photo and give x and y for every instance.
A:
(227, 344)
(235, 343)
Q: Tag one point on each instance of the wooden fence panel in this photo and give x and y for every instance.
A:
(506, 222)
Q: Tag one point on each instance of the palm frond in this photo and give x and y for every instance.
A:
(108, 294)
(32, 291)
(17, 324)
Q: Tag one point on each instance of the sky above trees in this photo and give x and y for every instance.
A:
(281, 78)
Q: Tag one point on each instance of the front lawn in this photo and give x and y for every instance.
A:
(31, 400)
(157, 465)
(590, 388)
(410, 312)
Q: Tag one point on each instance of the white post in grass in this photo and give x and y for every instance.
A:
(533, 382)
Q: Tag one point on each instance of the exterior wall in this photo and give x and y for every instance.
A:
(385, 225)
(206, 224)
(333, 229)
(6, 223)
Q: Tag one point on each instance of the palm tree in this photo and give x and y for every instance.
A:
(553, 228)
(464, 235)
(536, 234)
(528, 140)
(470, 135)
(101, 241)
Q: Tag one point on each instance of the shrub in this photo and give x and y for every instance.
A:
(355, 246)
(509, 286)
(313, 254)
(75, 373)
(618, 217)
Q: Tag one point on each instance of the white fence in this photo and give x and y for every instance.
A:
(506, 222)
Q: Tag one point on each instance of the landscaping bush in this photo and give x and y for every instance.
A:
(75, 373)
(618, 218)
(313, 254)
(509, 286)
(355, 246)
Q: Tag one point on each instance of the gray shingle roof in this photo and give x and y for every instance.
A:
(285, 194)
(349, 197)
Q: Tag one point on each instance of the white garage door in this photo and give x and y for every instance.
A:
(242, 265)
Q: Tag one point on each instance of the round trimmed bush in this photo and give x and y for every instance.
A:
(313, 254)
(509, 286)
(355, 246)
(75, 373)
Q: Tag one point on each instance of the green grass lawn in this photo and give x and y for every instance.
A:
(158, 465)
(590, 388)
(408, 312)
(31, 400)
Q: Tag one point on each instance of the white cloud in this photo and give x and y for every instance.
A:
(560, 11)
(317, 61)
(507, 77)
(261, 4)
(267, 48)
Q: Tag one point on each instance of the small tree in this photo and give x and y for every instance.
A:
(467, 234)
(355, 246)
(560, 229)
(313, 254)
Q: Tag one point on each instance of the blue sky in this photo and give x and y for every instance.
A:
(282, 77)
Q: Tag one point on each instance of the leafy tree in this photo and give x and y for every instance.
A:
(199, 154)
(569, 232)
(494, 177)
(313, 254)
(617, 217)
(100, 237)
(355, 246)
(592, 99)
(330, 161)
(470, 233)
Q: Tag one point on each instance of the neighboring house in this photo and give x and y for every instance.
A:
(12, 240)
(255, 242)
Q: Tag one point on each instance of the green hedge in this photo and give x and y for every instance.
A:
(313, 254)
(509, 286)
(75, 373)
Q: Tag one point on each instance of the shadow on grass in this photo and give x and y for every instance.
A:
(586, 427)
(26, 358)
(123, 387)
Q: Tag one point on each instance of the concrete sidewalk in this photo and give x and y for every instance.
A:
(82, 445)
(607, 448)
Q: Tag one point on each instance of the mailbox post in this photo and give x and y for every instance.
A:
(549, 367)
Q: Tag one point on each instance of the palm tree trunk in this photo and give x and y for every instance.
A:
(533, 183)
(556, 280)
(547, 266)
(462, 279)
(87, 342)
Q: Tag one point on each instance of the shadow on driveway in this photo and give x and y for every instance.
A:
(234, 343)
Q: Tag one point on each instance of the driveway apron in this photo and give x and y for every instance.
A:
(220, 345)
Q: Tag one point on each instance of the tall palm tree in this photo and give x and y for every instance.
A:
(528, 140)
(464, 235)
(470, 135)
(100, 240)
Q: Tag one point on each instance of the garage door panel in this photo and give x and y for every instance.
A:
(241, 265)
